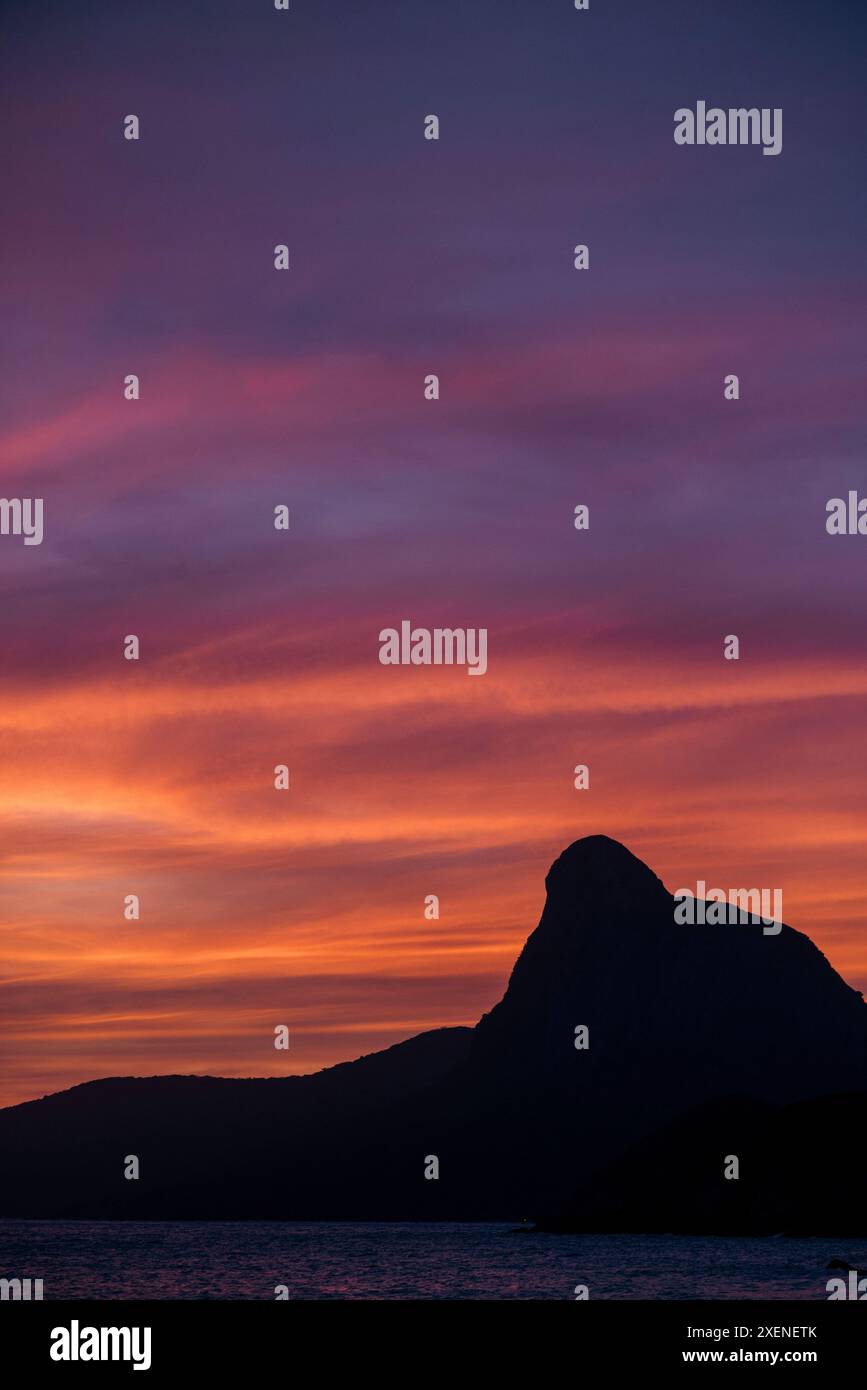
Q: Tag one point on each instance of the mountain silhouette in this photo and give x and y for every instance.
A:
(701, 1039)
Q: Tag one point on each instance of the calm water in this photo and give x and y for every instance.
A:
(224, 1260)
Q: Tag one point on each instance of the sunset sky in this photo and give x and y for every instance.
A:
(305, 388)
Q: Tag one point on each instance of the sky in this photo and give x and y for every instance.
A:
(306, 388)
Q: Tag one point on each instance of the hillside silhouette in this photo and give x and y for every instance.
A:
(705, 1041)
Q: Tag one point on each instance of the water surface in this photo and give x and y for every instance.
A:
(346, 1260)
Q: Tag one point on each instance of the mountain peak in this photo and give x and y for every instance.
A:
(596, 850)
(609, 955)
(597, 866)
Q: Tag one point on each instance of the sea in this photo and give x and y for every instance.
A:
(367, 1260)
